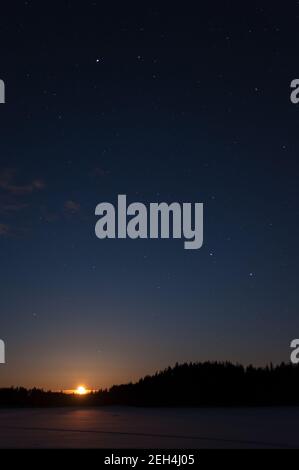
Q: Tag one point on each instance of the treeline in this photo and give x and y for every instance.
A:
(192, 384)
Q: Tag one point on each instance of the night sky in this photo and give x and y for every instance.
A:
(161, 103)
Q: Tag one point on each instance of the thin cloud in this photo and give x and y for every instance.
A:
(12, 207)
(101, 172)
(72, 207)
(4, 230)
(8, 183)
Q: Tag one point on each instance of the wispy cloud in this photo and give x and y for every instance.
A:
(8, 183)
(99, 171)
(14, 193)
(72, 207)
(4, 230)
(12, 206)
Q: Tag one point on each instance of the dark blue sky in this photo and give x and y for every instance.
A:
(161, 104)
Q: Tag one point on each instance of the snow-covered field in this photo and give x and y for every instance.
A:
(117, 427)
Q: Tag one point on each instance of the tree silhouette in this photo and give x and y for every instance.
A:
(189, 384)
